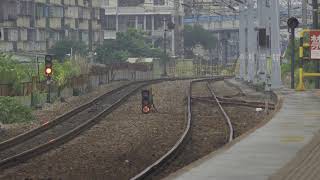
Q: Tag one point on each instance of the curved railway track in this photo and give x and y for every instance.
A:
(182, 141)
(223, 112)
(65, 127)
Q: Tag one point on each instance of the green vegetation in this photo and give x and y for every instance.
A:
(13, 112)
(13, 73)
(63, 47)
(194, 35)
(132, 43)
(63, 72)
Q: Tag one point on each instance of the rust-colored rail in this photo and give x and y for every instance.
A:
(225, 115)
(224, 101)
(180, 144)
(16, 149)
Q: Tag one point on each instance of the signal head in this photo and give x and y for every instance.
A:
(145, 93)
(146, 101)
(48, 65)
(48, 58)
(293, 22)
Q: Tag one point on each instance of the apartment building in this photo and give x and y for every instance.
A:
(150, 16)
(35, 25)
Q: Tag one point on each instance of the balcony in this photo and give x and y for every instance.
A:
(139, 10)
(110, 34)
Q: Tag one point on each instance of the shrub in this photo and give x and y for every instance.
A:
(61, 48)
(13, 112)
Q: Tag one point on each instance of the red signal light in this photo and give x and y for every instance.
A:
(146, 109)
(48, 71)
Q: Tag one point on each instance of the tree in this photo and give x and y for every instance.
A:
(62, 48)
(111, 52)
(194, 35)
(132, 43)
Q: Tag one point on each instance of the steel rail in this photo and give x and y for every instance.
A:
(179, 145)
(237, 103)
(227, 118)
(35, 151)
(33, 132)
(63, 138)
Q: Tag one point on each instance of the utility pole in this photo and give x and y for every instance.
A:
(165, 48)
(289, 11)
(315, 26)
(289, 8)
(293, 23)
(304, 13)
(227, 51)
(292, 36)
(90, 26)
(38, 68)
(197, 11)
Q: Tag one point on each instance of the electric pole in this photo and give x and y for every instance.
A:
(165, 52)
(90, 26)
(304, 13)
(165, 47)
(289, 9)
(315, 26)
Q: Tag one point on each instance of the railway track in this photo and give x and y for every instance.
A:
(165, 160)
(223, 112)
(65, 127)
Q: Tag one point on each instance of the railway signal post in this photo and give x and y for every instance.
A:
(293, 23)
(147, 101)
(48, 73)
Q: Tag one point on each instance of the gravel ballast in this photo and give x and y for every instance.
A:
(120, 146)
(127, 141)
(51, 111)
(209, 130)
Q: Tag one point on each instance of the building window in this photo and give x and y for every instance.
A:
(126, 3)
(158, 22)
(267, 3)
(131, 21)
(140, 22)
(111, 23)
(149, 22)
(56, 11)
(158, 2)
(106, 2)
(123, 23)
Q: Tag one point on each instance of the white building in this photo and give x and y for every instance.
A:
(150, 16)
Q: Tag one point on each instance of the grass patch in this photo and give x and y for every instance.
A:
(13, 112)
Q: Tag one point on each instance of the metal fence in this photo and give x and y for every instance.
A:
(82, 83)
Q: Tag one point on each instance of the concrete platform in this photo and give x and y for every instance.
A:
(262, 153)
